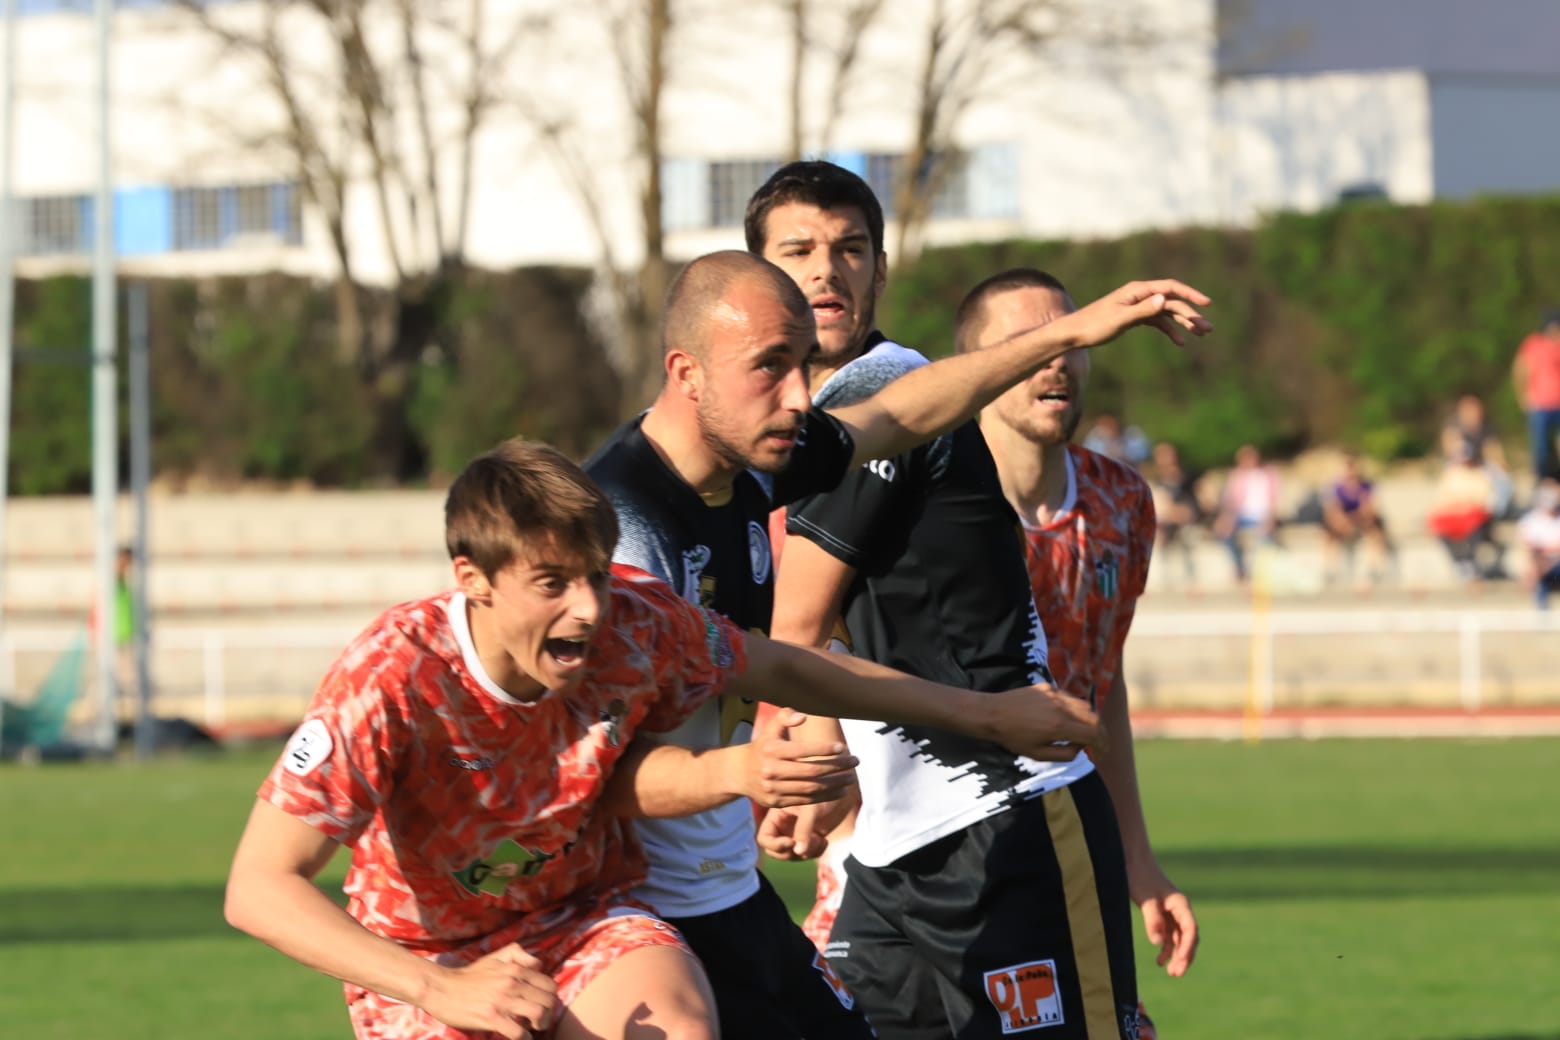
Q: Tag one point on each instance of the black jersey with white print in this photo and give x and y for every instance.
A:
(715, 553)
(941, 592)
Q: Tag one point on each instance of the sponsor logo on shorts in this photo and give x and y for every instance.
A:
(308, 749)
(1025, 996)
(471, 765)
(834, 982)
(838, 950)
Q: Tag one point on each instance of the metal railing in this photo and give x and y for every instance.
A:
(1263, 660)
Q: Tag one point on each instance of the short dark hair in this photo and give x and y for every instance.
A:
(526, 491)
(814, 182)
(971, 314)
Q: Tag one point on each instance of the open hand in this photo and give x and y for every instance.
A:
(1165, 304)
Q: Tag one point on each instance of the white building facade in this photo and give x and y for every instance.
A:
(1407, 99)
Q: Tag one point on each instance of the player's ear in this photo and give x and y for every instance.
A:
(880, 276)
(471, 581)
(684, 374)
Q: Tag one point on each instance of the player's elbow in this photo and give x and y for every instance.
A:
(245, 906)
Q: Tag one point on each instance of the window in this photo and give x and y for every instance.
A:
(979, 183)
(953, 195)
(54, 225)
(211, 218)
(732, 184)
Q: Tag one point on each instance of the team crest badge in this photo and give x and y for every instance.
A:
(1105, 575)
(612, 720)
(694, 561)
(758, 551)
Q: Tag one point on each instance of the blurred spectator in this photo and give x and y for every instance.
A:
(1350, 517)
(1468, 434)
(1107, 437)
(1176, 507)
(1249, 502)
(1539, 531)
(1535, 373)
(1462, 515)
(1467, 427)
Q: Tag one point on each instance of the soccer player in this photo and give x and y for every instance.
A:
(987, 892)
(1089, 534)
(460, 746)
(731, 435)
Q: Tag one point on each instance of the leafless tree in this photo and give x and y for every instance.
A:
(358, 103)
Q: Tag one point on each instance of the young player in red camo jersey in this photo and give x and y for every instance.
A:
(459, 746)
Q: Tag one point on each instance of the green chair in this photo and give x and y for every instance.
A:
(41, 722)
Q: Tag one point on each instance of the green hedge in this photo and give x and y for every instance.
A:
(1357, 326)
(248, 382)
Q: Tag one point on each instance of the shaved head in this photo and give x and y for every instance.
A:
(702, 287)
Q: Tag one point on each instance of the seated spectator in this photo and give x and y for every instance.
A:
(1249, 502)
(1349, 517)
(1539, 531)
(1107, 437)
(1176, 507)
(1462, 516)
(1468, 430)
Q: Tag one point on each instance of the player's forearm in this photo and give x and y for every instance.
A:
(818, 682)
(662, 780)
(1116, 761)
(936, 398)
(288, 912)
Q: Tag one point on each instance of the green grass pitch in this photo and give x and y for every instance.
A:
(1391, 890)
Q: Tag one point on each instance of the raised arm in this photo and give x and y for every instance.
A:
(935, 398)
(272, 896)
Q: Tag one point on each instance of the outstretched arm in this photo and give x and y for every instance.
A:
(272, 896)
(935, 398)
(1167, 913)
(1036, 721)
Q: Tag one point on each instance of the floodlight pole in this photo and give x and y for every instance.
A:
(140, 479)
(105, 420)
(7, 278)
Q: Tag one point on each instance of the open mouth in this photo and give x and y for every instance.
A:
(828, 309)
(1060, 398)
(566, 652)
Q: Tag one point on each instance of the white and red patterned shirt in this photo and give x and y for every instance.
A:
(1088, 566)
(469, 812)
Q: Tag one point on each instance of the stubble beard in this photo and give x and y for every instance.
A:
(710, 424)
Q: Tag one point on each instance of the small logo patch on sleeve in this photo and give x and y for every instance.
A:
(309, 747)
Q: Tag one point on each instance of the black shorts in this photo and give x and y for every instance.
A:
(1019, 922)
(770, 982)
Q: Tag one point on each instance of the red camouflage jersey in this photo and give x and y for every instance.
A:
(469, 813)
(1088, 567)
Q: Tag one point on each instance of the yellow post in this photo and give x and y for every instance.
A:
(1261, 644)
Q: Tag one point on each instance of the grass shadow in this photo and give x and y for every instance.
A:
(1361, 871)
(109, 913)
